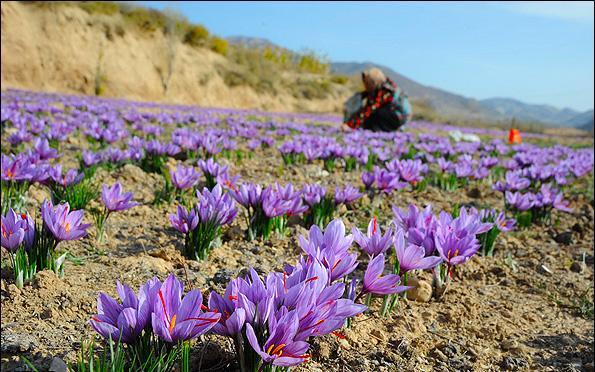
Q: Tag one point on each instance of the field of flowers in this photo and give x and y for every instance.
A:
(141, 236)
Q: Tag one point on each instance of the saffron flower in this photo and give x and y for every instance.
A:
(374, 243)
(280, 349)
(13, 232)
(179, 319)
(375, 283)
(114, 200)
(347, 195)
(412, 257)
(62, 223)
(183, 221)
(454, 250)
(184, 178)
(125, 321)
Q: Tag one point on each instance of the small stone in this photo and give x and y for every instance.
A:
(378, 334)
(589, 367)
(13, 290)
(505, 313)
(578, 228)
(58, 365)
(511, 363)
(14, 343)
(542, 269)
(422, 291)
(49, 313)
(222, 276)
(577, 267)
(509, 345)
(440, 355)
(325, 351)
(564, 238)
(474, 193)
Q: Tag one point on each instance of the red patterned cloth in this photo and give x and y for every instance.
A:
(381, 97)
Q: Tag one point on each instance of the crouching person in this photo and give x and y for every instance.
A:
(382, 107)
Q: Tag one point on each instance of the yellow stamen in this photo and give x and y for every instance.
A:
(67, 227)
(270, 348)
(172, 324)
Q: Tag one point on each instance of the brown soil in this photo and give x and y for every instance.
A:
(502, 313)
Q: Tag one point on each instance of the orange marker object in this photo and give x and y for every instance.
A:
(514, 136)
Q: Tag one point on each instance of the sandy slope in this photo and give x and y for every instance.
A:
(61, 50)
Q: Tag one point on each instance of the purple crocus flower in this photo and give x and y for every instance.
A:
(43, 150)
(16, 168)
(521, 202)
(281, 349)
(411, 170)
(368, 179)
(273, 204)
(184, 177)
(375, 283)
(127, 320)
(463, 169)
(215, 206)
(515, 182)
(63, 224)
(347, 196)
(184, 221)
(248, 195)
(254, 298)
(211, 168)
(387, 181)
(445, 165)
(72, 176)
(413, 257)
(313, 194)
(454, 250)
(13, 232)
(504, 224)
(114, 200)
(561, 204)
(90, 158)
(178, 319)
(228, 182)
(28, 224)
(331, 248)
(232, 319)
(374, 243)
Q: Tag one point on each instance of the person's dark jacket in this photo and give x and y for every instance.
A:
(387, 109)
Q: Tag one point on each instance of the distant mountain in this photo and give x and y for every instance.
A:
(446, 103)
(587, 126)
(454, 105)
(583, 121)
(253, 42)
(541, 113)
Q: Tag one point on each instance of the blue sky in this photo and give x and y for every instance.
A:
(536, 52)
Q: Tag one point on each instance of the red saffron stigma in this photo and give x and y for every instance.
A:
(339, 335)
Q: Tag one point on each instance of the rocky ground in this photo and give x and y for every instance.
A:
(530, 307)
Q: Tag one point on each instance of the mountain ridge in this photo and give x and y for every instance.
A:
(453, 104)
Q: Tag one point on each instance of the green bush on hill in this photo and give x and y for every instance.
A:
(219, 45)
(148, 20)
(100, 7)
(197, 36)
(310, 62)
